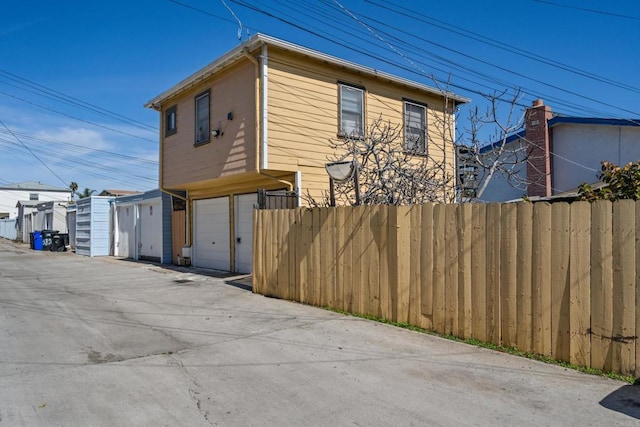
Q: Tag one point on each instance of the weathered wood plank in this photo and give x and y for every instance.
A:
(465, 327)
(579, 276)
(403, 263)
(478, 272)
(451, 270)
(415, 304)
(508, 274)
(385, 297)
(624, 293)
(541, 278)
(340, 258)
(524, 302)
(493, 273)
(426, 267)
(439, 265)
(560, 281)
(601, 284)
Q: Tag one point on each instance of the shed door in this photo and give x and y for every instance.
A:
(150, 235)
(211, 234)
(125, 246)
(244, 205)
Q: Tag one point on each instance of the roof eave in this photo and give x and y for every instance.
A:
(259, 39)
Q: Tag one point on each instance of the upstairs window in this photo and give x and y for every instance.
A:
(415, 127)
(170, 126)
(351, 111)
(202, 118)
(34, 196)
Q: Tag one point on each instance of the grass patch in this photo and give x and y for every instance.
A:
(509, 350)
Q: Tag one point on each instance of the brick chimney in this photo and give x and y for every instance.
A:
(538, 140)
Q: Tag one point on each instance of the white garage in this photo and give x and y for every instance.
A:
(243, 209)
(211, 234)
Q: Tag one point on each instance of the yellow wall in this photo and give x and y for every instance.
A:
(232, 90)
(303, 115)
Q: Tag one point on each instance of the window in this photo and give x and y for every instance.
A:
(351, 111)
(33, 196)
(415, 127)
(170, 126)
(202, 118)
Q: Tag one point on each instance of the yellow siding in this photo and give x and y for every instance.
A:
(232, 91)
(303, 115)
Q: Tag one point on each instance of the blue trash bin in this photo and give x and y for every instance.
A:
(37, 240)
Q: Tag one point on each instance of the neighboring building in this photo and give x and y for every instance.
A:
(261, 117)
(562, 153)
(11, 194)
(118, 193)
(142, 227)
(34, 215)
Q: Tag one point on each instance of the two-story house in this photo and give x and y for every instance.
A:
(261, 117)
(554, 154)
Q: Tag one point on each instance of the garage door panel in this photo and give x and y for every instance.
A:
(211, 234)
(243, 208)
(151, 231)
(125, 246)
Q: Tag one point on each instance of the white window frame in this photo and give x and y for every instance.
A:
(358, 129)
(411, 145)
(170, 120)
(203, 135)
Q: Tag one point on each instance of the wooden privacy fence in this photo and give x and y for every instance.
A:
(560, 280)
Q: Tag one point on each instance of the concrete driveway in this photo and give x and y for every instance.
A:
(106, 342)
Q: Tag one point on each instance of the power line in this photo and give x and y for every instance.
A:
(70, 100)
(33, 154)
(600, 12)
(76, 118)
(447, 26)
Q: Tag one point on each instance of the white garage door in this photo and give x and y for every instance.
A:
(211, 234)
(243, 209)
(150, 245)
(125, 246)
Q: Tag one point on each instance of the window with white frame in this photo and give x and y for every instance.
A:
(170, 125)
(351, 111)
(202, 118)
(415, 127)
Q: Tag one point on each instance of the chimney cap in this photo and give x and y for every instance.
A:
(538, 103)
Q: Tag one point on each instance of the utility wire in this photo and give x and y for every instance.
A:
(76, 118)
(600, 12)
(70, 100)
(33, 154)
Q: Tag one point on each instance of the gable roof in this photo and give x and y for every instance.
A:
(34, 186)
(259, 40)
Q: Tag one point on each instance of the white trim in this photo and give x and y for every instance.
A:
(264, 113)
(260, 39)
(298, 187)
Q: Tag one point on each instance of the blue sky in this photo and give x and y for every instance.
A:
(74, 75)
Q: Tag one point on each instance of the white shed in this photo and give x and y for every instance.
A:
(93, 226)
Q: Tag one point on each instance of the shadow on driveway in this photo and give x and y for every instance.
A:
(625, 400)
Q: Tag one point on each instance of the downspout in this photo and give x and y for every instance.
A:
(261, 74)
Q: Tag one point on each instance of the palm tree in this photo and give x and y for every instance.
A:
(74, 188)
(85, 193)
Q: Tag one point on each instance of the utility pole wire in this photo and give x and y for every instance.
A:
(33, 154)
(234, 15)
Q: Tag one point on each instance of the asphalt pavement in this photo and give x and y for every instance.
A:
(110, 342)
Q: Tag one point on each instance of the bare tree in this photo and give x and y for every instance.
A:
(485, 152)
(392, 168)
